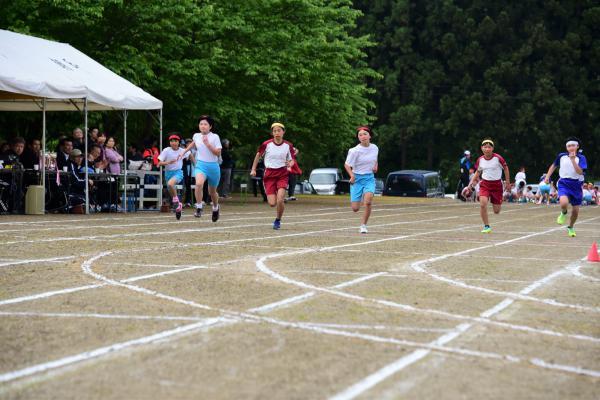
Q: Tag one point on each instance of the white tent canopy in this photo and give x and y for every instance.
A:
(32, 69)
(42, 75)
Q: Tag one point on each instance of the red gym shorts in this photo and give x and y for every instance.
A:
(492, 190)
(274, 179)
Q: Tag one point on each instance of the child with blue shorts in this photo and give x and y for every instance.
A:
(361, 165)
(571, 166)
(208, 149)
(171, 159)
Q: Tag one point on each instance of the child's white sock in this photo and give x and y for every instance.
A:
(215, 208)
(199, 205)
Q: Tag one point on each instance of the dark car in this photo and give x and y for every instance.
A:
(414, 183)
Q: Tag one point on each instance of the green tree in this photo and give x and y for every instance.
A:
(248, 63)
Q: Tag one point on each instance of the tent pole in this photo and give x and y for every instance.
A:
(160, 145)
(125, 161)
(87, 186)
(43, 166)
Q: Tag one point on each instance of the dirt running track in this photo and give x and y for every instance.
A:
(424, 306)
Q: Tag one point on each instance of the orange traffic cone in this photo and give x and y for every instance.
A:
(593, 253)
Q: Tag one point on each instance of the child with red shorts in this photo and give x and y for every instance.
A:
(278, 159)
(489, 168)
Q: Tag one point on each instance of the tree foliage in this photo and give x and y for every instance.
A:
(524, 73)
(248, 62)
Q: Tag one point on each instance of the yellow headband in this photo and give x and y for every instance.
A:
(487, 141)
(277, 124)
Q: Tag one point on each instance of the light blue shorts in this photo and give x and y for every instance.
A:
(363, 183)
(544, 188)
(177, 174)
(210, 170)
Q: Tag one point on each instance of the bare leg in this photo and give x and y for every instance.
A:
(171, 184)
(280, 202)
(214, 196)
(355, 206)
(200, 178)
(367, 201)
(483, 202)
(496, 208)
(574, 215)
(564, 203)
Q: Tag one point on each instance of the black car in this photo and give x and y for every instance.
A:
(414, 183)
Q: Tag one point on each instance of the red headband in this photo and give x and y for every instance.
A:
(364, 128)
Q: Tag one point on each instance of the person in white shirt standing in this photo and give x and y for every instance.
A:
(169, 158)
(278, 158)
(208, 149)
(361, 165)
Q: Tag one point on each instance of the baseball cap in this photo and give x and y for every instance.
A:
(76, 153)
(467, 153)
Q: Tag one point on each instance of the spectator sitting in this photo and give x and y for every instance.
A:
(553, 193)
(101, 162)
(595, 195)
(587, 194)
(151, 152)
(92, 136)
(14, 156)
(113, 157)
(93, 154)
(528, 195)
(78, 142)
(510, 193)
(65, 146)
(133, 154)
(78, 172)
(32, 154)
(4, 148)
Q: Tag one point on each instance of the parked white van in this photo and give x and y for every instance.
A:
(325, 180)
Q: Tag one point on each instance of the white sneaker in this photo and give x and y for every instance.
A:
(363, 229)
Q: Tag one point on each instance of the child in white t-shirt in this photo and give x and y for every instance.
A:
(171, 159)
(361, 164)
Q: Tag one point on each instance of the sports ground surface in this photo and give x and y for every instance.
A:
(424, 306)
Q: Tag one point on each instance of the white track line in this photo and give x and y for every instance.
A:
(9, 376)
(575, 270)
(418, 267)
(379, 376)
(38, 260)
(101, 316)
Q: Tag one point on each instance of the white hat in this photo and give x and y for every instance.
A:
(467, 153)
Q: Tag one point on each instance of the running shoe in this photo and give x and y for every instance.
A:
(571, 232)
(363, 229)
(198, 212)
(276, 224)
(561, 218)
(215, 214)
(486, 229)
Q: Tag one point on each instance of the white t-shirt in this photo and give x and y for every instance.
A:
(202, 152)
(566, 166)
(520, 177)
(491, 170)
(276, 155)
(363, 159)
(168, 154)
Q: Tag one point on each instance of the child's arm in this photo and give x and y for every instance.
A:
(506, 176)
(255, 164)
(549, 173)
(578, 169)
(210, 147)
(350, 172)
(474, 179)
(188, 148)
(163, 163)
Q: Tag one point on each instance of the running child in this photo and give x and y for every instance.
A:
(489, 168)
(278, 159)
(571, 166)
(361, 165)
(208, 149)
(171, 160)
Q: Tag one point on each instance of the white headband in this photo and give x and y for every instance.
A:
(570, 142)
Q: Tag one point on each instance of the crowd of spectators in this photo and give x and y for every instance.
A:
(104, 156)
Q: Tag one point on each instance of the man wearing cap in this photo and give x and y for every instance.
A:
(572, 165)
